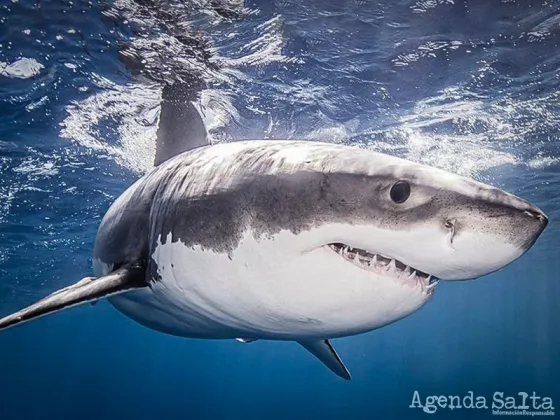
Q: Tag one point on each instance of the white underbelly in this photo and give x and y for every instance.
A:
(255, 293)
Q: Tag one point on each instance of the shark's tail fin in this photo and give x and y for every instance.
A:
(89, 289)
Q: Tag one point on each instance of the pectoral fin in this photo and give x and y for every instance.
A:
(325, 352)
(89, 289)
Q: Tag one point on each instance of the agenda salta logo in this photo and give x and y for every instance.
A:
(501, 404)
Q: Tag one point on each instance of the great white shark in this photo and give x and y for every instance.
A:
(288, 240)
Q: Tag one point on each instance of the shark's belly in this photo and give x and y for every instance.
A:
(150, 310)
(210, 295)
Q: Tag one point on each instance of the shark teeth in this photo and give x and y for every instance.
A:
(382, 264)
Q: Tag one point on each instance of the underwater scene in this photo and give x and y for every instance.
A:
(228, 209)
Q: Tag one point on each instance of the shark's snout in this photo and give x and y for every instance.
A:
(525, 220)
(538, 214)
(487, 231)
(536, 222)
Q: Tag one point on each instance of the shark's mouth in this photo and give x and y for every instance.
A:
(387, 266)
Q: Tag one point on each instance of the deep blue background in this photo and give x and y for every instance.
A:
(470, 86)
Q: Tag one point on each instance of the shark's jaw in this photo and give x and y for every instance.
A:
(385, 266)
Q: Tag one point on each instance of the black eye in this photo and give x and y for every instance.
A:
(400, 192)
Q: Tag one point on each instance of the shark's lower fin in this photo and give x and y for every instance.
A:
(89, 289)
(325, 352)
(246, 340)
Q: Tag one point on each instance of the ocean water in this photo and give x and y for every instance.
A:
(470, 86)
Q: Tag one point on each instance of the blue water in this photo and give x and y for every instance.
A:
(468, 86)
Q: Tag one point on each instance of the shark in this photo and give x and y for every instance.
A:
(290, 240)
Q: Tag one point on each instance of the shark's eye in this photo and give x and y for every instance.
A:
(400, 191)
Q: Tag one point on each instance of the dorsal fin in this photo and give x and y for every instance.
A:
(180, 125)
(89, 289)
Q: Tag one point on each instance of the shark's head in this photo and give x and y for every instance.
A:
(418, 218)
